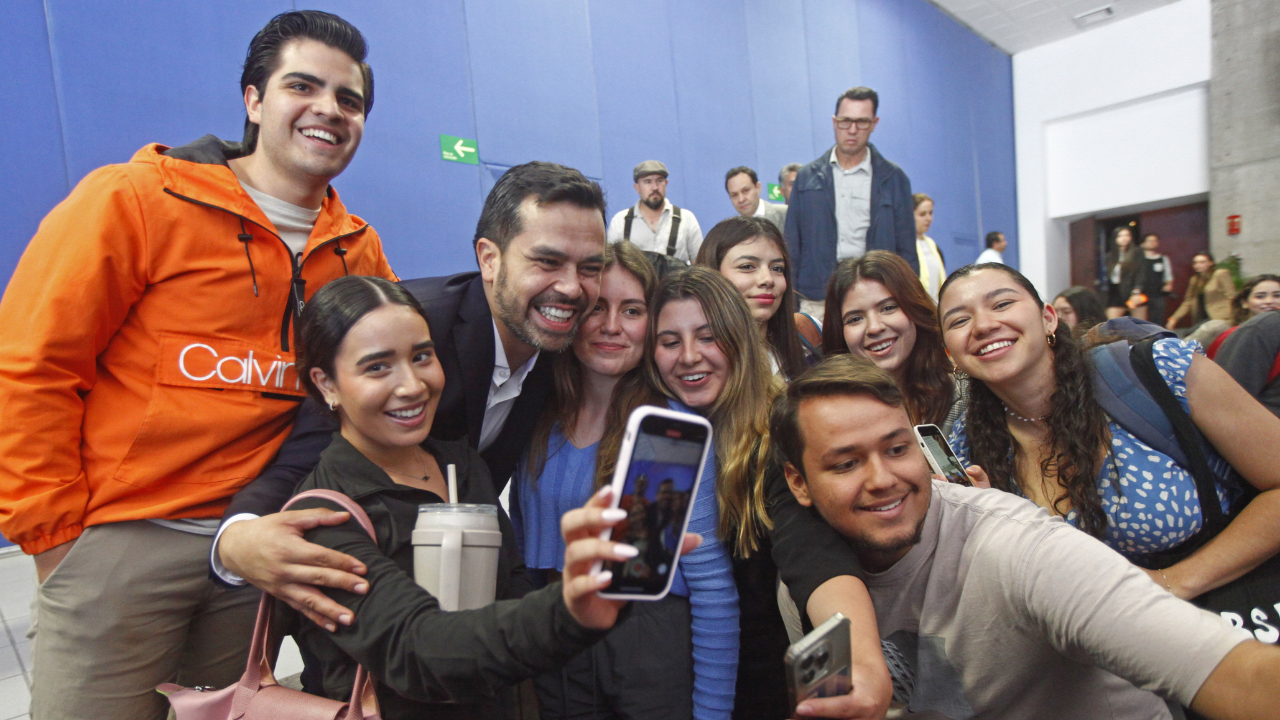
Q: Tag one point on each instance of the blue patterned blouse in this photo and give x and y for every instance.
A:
(1150, 501)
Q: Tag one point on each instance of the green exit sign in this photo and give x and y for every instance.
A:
(775, 193)
(456, 149)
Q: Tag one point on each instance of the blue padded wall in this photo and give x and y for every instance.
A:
(596, 84)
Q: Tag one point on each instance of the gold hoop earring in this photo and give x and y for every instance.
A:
(1052, 339)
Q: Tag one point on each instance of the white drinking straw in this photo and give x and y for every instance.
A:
(453, 484)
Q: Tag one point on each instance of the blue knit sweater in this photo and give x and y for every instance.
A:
(705, 575)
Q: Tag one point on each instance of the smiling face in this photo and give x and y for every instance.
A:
(924, 217)
(689, 360)
(611, 339)
(993, 329)
(652, 190)
(549, 275)
(311, 112)
(744, 194)
(386, 380)
(864, 473)
(1264, 297)
(757, 269)
(876, 327)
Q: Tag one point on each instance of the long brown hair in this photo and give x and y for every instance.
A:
(928, 383)
(1127, 258)
(631, 391)
(1078, 433)
(780, 331)
(740, 415)
(1240, 313)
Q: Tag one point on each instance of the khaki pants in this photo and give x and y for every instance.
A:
(131, 607)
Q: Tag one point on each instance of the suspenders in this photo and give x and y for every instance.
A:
(671, 239)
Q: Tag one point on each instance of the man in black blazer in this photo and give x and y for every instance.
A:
(540, 245)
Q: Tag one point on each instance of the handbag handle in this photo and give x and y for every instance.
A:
(258, 667)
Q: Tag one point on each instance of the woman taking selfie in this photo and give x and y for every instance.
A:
(365, 352)
(1034, 427)
(646, 666)
(751, 254)
(876, 308)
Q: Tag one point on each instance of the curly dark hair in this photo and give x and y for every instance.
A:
(1239, 313)
(1077, 425)
(929, 384)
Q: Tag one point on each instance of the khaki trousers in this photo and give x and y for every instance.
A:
(131, 607)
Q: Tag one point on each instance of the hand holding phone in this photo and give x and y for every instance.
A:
(819, 664)
(942, 459)
(655, 483)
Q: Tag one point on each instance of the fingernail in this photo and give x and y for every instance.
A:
(614, 514)
(604, 491)
(362, 588)
(604, 578)
(344, 619)
(804, 710)
(331, 627)
(626, 551)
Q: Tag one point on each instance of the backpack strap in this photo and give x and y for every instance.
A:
(626, 224)
(1189, 438)
(1125, 399)
(675, 230)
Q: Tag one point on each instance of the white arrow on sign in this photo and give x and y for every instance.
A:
(459, 148)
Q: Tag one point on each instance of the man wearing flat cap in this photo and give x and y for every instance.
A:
(654, 223)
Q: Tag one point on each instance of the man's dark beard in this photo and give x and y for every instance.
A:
(860, 545)
(522, 327)
(655, 204)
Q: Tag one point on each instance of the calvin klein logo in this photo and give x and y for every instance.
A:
(232, 369)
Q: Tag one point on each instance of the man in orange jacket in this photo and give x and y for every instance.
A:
(147, 372)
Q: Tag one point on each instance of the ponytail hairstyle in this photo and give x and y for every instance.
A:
(928, 383)
(631, 392)
(740, 416)
(1078, 433)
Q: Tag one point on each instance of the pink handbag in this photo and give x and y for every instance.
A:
(258, 695)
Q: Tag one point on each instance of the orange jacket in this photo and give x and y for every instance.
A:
(146, 365)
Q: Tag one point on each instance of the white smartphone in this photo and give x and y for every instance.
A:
(818, 664)
(656, 480)
(942, 459)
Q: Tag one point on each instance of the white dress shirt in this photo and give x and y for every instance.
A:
(853, 205)
(654, 239)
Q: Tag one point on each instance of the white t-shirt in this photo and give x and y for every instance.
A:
(990, 255)
(1003, 611)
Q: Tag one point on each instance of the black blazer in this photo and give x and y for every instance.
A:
(462, 328)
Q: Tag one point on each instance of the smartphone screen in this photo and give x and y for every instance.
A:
(657, 495)
(936, 445)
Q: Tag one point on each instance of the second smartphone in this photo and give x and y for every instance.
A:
(656, 480)
(942, 459)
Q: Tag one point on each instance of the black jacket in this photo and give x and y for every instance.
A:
(420, 655)
(462, 328)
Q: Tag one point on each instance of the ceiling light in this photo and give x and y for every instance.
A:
(1093, 17)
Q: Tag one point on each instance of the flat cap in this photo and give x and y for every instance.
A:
(649, 167)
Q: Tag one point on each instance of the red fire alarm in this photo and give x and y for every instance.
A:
(1233, 224)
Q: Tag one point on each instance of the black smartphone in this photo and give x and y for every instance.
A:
(942, 459)
(656, 480)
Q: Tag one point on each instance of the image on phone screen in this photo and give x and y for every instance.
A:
(656, 494)
(952, 470)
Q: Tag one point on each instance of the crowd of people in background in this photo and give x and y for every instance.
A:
(202, 333)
